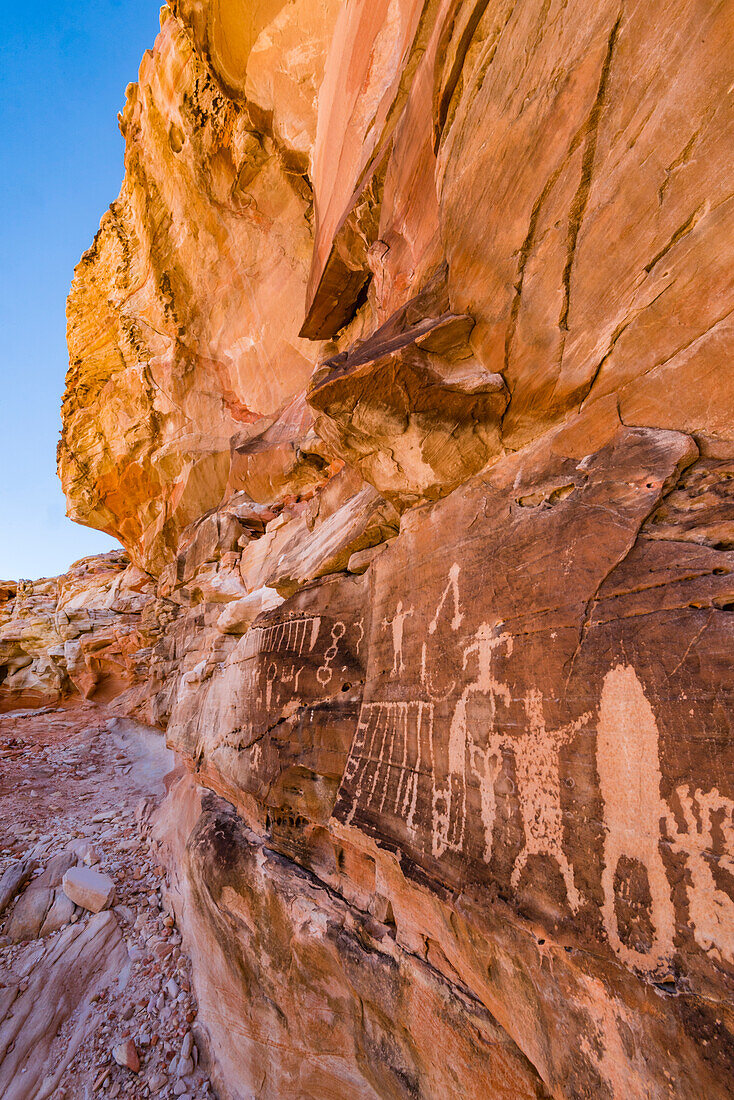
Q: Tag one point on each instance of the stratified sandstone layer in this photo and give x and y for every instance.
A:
(87, 634)
(183, 316)
(401, 367)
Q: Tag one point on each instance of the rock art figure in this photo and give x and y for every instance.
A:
(387, 757)
(629, 775)
(398, 626)
(294, 636)
(449, 800)
(711, 910)
(539, 791)
(453, 588)
(325, 672)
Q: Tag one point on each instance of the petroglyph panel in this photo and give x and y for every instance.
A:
(519, 732)
(386, 759)
(286, 698)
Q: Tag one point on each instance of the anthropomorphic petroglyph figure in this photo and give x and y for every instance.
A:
(711, 911)
(485, 762)
(629, 776)
(398, 625)
(270, 678)
(449, 800)
(539, 791)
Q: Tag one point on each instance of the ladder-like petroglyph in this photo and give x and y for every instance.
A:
(296, 635)
(392, 744)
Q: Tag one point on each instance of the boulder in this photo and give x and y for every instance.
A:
(88, 888)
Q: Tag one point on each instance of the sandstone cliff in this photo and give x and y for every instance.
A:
(86, 634)
(400, 366)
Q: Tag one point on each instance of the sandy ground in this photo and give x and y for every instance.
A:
(78, 786)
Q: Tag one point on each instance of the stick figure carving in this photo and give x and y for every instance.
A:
(398, 625)
(449, 800)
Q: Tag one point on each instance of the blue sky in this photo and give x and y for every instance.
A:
(64, 67)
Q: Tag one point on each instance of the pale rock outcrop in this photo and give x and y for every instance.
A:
(87, 632)
(43, 1020)
(88, 888)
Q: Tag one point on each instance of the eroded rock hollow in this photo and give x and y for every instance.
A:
(401, 368)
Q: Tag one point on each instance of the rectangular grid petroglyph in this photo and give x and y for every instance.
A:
(391, 743)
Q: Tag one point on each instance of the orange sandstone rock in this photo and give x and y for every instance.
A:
(401, 367)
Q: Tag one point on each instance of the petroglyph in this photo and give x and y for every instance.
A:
(456, 739)
(629, 775)
(539, 791)
(398, 626)
(387, 756)
(270, 679)
(449, 799)
(360, 627)
(451, 588)
(325, 672)
(711, 911)
(294, 636)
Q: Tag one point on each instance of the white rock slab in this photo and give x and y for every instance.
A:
(89, 888)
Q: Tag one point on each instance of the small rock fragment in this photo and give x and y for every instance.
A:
(126, 1055)
(185, 1067)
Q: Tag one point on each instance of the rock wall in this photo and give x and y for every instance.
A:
(401, 367)
(86, 634)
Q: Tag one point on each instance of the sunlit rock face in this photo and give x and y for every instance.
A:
(86, 633)
(183, 316)
(402, 366)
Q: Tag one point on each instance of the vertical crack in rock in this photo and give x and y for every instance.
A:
(581, 198)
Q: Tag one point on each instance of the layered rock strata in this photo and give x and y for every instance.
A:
(87, 633)
(401, 367)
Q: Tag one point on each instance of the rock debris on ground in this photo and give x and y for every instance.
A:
(95, 998)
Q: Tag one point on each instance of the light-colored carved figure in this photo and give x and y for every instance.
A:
(451, 588)
(449, 800)
(440, 689)
(293, 635)
(629, 775)
(485, 762)
(386, 759)
(539, 791)
(325, 672)
(398, 626)
(711, 911)
(270, 678)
